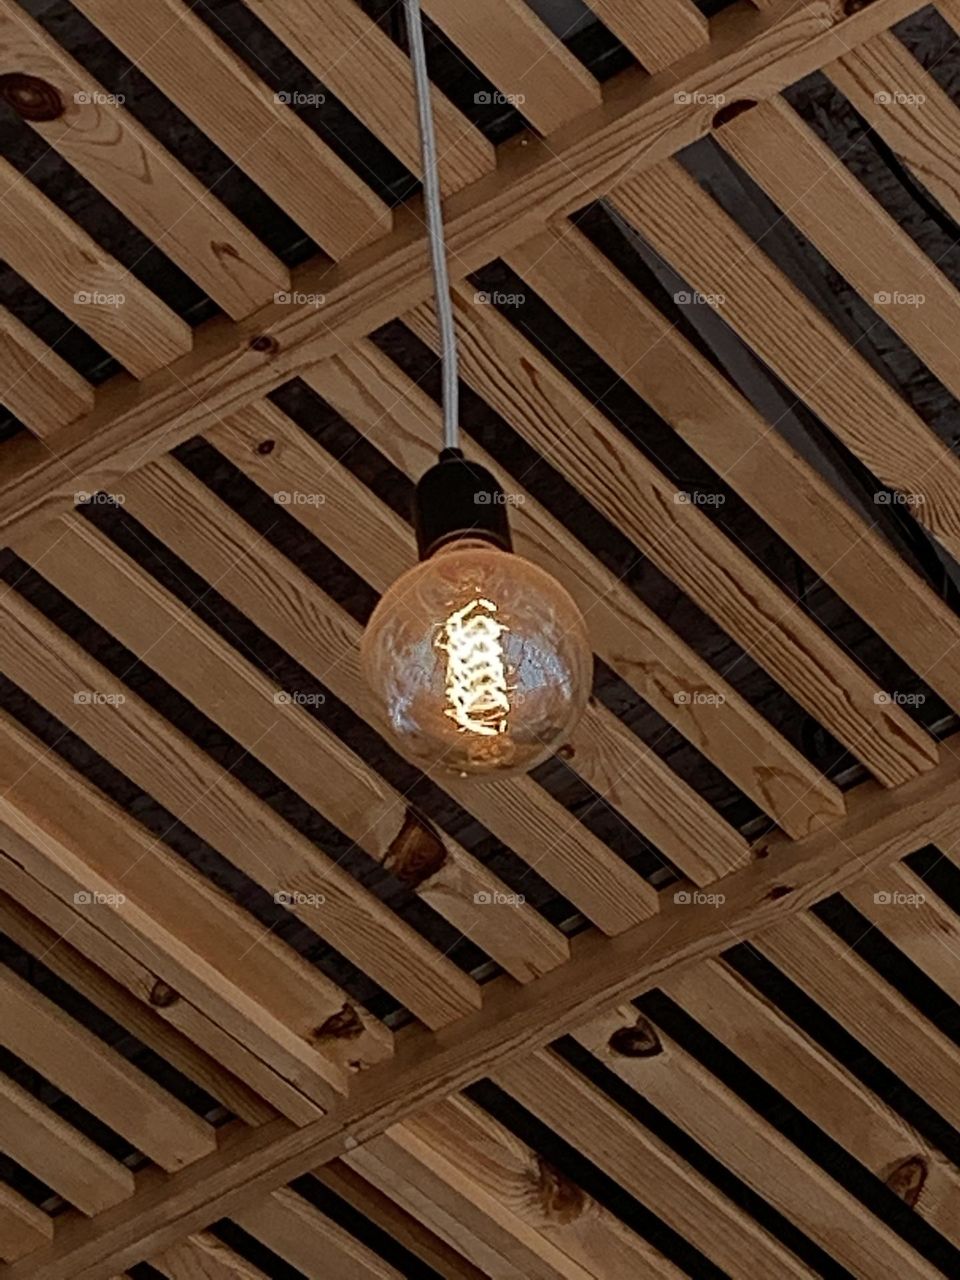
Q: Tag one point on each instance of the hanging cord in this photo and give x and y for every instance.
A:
(438, 253)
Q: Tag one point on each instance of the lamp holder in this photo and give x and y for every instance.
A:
(459, 499)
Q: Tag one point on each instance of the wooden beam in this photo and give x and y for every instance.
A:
(245, 118)
(23, 1227)
(659, 32)
(751, 55)
(790, 875)
(204, 1257)
(36, 385)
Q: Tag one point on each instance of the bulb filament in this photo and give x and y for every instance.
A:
(476, 672)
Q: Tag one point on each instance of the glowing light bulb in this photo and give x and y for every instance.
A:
(478, 660)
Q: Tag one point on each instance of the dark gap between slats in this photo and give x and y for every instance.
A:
(174, 130)
(791, 1000)
(791, 1122)
(554, 775)
(363, 1229)
(249, 1248)
(25, 1183)
(144, 1059)
(160, 824)
(690, 1150)
(51, 326)
(939, 873)
(559, 1159)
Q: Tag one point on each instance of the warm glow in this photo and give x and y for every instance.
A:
(476, 676)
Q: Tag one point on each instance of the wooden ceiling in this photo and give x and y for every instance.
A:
(686, 1002)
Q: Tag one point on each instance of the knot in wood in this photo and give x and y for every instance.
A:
(30, 97)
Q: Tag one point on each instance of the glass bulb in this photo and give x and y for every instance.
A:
(479, 661)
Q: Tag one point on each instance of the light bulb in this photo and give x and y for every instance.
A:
(478, 660)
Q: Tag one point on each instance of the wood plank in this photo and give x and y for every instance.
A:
(751, 56)
(403, 1227)
(234, 108)
(516, 1020)
(798, 343)
(491, 1186)
(156, 905)
(122, 989)
(881, 1019)
(615, 762)
(659, 32)
(517, 811)
(223, 812)
(95, 1075)
(653, 358)
(640, 500)
(829, 1095)
(519, 53)
(310, 1241)
(117, 155)
(36, 385)
(58, 1154)
(23, 1228)
(204, 1257)
(685, 1091)
(356, 60)
(52, 252)
(250, 573)
(646, 1167)
(364, 385)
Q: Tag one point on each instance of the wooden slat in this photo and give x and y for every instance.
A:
(659, 32)
(265, 585)
(118, 156)
(59, 259)
(36, 385)
(518, 811)
(751, 56)
(234, 108)
(178, 1032)
(818, 1086)
(364, 386)
(689, 228)
(882, 1020)
(223, 812)
(370, 75)
(173, 919)
(616, 763)
(402, 1226)
(485, 1190)
(598, 458)
(96, 1076)
(646, 1167)
(653, 358)
(310, 1241)
(204, 1257)
(23, 1228)
(753, 1149)
(520, 55)
(58, 1154)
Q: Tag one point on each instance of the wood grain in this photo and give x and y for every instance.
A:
(36, 385)
(659, 32)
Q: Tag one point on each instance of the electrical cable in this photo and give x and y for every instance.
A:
(434, 212)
